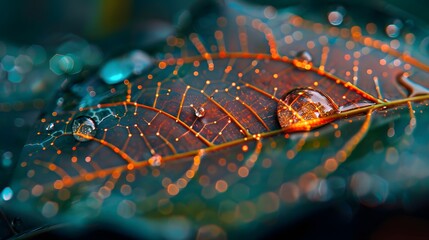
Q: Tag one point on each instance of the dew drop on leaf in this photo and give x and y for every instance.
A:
(200, 112)
(50, 126)
(83, 128)
(303, 60)
(155, 160)
(305, 105)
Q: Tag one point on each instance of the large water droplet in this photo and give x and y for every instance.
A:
(303, 60)
(306, 106)
(155, 160)
(84, 129)
(413, 88)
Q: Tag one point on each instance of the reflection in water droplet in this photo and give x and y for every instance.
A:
(83, 129)
(303, 60)
(413, 88)
(200, 112)
(50, 127)
(302, 105)
(155, 160)
(335, 18)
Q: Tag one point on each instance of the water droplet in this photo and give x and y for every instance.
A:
(83, 129)
(200, 112)
(335, 18)
(303, 60)
(307, 106)
(50, 126)
(6, 194)
(155, 160)
(413, 88)
(394, 29)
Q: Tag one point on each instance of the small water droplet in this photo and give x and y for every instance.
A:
(413, 88)
(155, 160)
(83, 128)
(335, 18)
(50, 127)
(200, 112)
(303, 60)
(305, 105)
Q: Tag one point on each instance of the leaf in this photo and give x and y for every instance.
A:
(197, 139)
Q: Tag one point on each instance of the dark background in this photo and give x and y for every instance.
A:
(114, 25)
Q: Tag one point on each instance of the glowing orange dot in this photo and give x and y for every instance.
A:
(162, 65)
(245, 148)
(58, 152)
(190, 174)
(290, 154)
(74, 159)
(52, 167)
(172, 189)
(58, 184)
(222, 161)
(116, 174)
(243, 172)
(221, 186)
(130, 166)
(331, 165)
